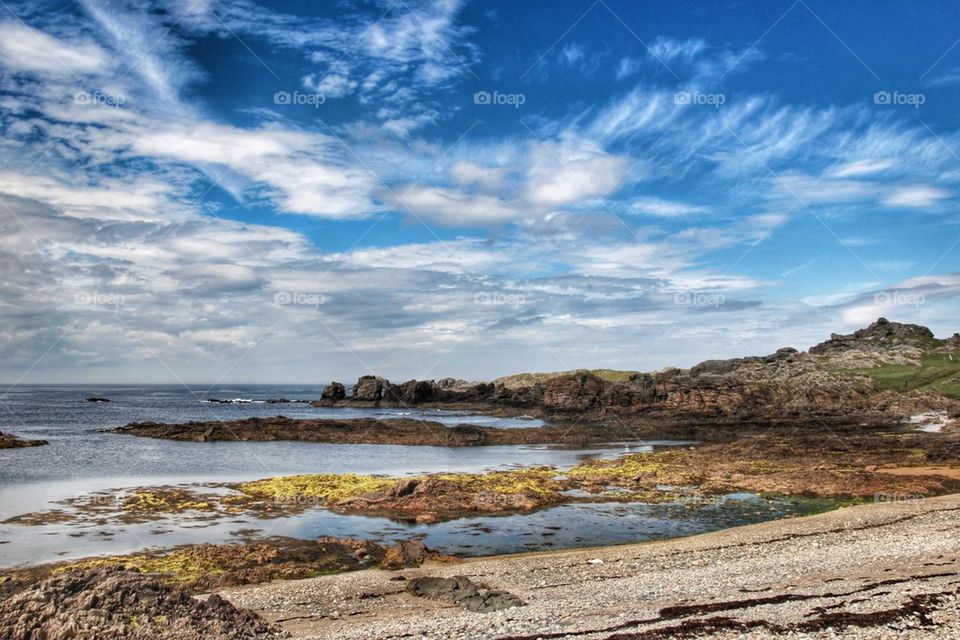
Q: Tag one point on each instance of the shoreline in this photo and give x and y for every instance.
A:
(864, 568)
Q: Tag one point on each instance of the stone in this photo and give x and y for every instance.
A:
(334, 391)
(406, 554)
(370, 388)
(462, 591)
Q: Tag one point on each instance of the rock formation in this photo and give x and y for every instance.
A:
(788, 383)
(8, 441)
(334, 391)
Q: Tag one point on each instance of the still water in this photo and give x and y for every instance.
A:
(81, 459)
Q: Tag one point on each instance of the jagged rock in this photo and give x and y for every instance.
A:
(370, 388)
(413, 392)
(574, 392)
(116, 604)
(334, 391)
(782, 385)
(463, 591)
(881, 333)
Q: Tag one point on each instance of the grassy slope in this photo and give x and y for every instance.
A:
(939, 372)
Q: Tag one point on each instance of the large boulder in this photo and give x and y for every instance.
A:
(370, 388)
(334, 391)
(406, 554)
(463, 591)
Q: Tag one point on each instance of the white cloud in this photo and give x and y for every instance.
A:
(139, 199)
(916, 196)
(668, 49)
(24, 48)
(302, 168)
(571, 170)
(451, 207)
(861, 168)
(489, 178)
(660, 207)
(628, 67)
(573, 53)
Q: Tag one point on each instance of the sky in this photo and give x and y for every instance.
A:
(212, 191)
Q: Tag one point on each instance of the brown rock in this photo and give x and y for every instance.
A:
(334, 391)
(115, 604)
(406, 554)
(370, 388)
(463, 591)
(9, 441)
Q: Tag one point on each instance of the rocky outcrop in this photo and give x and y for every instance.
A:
(8, 441)
(882, 333)
(334, 391)
(783, 385)
(115, 604)
(370, 389)
(576, 392)
(371, 431)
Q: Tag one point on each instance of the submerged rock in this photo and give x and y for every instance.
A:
(9, 441)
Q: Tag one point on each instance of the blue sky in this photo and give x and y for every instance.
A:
(195, 190)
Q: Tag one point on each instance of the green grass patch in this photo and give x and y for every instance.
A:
(937, 372)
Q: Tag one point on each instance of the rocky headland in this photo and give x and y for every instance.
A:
(882, 376)
(884, 372)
